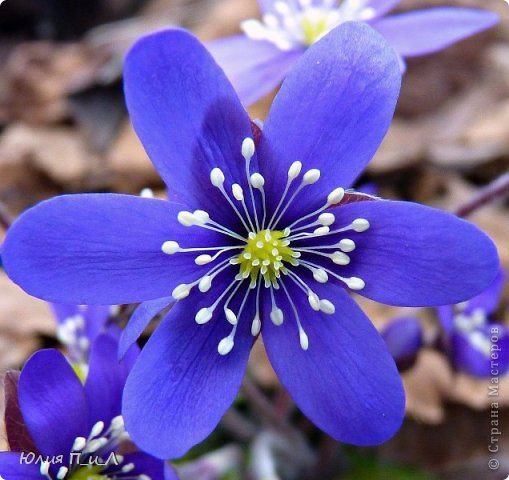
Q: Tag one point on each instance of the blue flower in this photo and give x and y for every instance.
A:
(258, 60)
(404, 339)
(474, 342)
(55, 423)
(77, 328)
(258, 236)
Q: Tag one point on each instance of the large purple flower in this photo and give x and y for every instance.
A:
(258, 236)
(60, 429)
(258, 60)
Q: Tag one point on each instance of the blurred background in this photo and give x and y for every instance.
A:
(64, 128)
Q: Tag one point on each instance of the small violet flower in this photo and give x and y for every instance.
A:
(475, 343)
(77, 328)
(258, 237)
(258, 60)
(61, 429)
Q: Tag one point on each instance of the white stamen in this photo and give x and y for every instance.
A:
(181, 291)
(248, 148)
(186, 218)
(62, 472)
(354, 283)
(360, 225)
(147, 193)
(230, 316)
(326, 219)
(320, 275)
(347, 245)
(303, 338)
(294, 170)
(128, 467)
(237, 192)
(44, 468)
(257, 181)
(314, 301)
(311, 176)
(277, 317)
(202, 259)
(217, 177)
(170, 247)
(340, 258)
(256, 326)
(225, 345)
(335, 196)
(79, 444)
(201, 217)
(97, 429)
(327, 306)
(203, 316)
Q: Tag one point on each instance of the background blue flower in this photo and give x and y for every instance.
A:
(258, 60)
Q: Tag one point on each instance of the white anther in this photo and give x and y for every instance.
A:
(96, 444)
(170, 247)
(360, 225)
(259, 244)
(294, 170)
(237, 192)
(203, 259)
(248, 148)
(256, 326)
(147, 193)
(62, 472)
(117, 423)
(128, 467)
(225, 346)
(327, 307)
(203, 316)
(44, 468)
(79, 444)
(230, 316)
(201, 217)
(311, 176)
(340, 258)
(247, 255)
(304, 340)
(355, 283)
(326, 219)
(277, 317)
(257, 180)
(335, 196)
(142, 476)
(181, 291)
(97, 429)
(321, 231)
(314, 301)
(217, 177)
(347, 245)
(320, 275)
(186, 218)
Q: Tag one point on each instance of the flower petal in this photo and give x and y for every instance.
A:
(404, 338)
(255, 67)
(105, 380)
(100, 249)
(12, 468)
(489, 300)
(96, 316)
(180, 387)
(187, 116)
(53, 403)
(139, 321)
(426, 31)
(413, 255)
(331, 113)
(144, 464)
(346, 382)
(476, 354)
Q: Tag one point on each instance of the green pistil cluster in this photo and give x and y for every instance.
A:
(88, 473)
(314, 29)
(265, 255)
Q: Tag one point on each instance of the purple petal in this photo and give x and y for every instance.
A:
(404, 338)
(331, 113)
(180, 387)
(255, 67)
(446, 318)
(426, 31)
(187, 116)
(12, 468)
(489, 300)
(381, 7)
(144, 464)
(53, 403)
(413, 255)
(139, 321)
(477, 354)
(346, 382)
(100, 249)
(105, 380)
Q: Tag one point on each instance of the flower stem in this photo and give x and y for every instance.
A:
(5, 217)
(499, 188)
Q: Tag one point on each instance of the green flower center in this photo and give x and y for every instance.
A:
(88, 473)
(265, 254)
